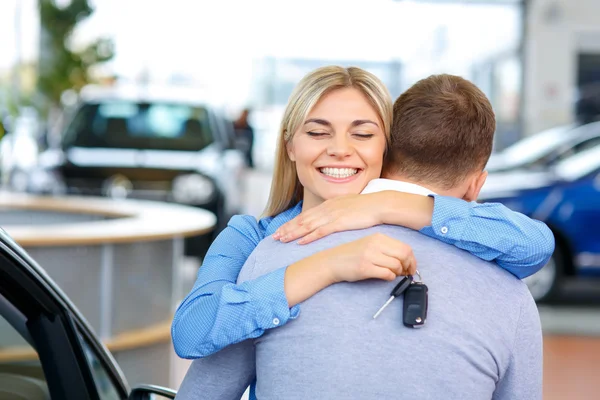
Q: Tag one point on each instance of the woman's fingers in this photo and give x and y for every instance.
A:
(304, 225)
(400, 251)
(393, 264)
(320, 232)
(383, 273)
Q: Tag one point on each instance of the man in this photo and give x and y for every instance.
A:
(482, 338)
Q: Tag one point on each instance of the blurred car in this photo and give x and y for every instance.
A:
(148, 143)
(566, 197)
(546, 148)
(47, 348)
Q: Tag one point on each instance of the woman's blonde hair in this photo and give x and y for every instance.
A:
(286, 190)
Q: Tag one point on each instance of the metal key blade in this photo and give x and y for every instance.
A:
(396, 291)
(383, 307)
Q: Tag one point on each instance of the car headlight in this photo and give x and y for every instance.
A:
(117, 187)
(193, 189)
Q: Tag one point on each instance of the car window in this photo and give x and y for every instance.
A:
(104, 385)
(21, 373)
(156, 126)
(579, 165)
(579, 148)
(534, 147)
(587, 144)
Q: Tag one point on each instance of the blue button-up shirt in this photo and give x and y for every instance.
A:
(218, 312)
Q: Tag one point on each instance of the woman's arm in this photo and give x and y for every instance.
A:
(217, 312)
(490, 231)
(493, 232)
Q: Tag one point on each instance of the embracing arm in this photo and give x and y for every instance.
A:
(489, 231)
(493, 232)
(218, 312)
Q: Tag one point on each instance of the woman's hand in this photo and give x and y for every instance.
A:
(373, 257)
(356, 211)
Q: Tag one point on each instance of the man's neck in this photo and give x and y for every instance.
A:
(454, 192)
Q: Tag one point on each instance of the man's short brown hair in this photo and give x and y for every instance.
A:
(442, 130)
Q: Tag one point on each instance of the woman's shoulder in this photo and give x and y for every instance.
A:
(249, 225)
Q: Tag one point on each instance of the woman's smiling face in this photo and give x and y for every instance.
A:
(339, 148)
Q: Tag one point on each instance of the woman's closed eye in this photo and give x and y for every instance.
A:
(317, 134)
(360, 136)
(363, 135)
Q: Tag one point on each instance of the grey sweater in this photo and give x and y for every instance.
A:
(482, 339)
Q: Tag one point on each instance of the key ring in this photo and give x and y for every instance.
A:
(420, 279)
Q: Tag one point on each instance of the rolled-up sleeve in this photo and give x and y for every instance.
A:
(492, 232)
(218, 312)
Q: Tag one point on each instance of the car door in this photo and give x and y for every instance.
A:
(578, 215)
(43, 353)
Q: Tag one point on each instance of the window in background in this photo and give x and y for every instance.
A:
(159, 126)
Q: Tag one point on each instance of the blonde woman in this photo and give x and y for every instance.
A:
(333, 136)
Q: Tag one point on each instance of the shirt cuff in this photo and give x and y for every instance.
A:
(271, 305)
(449, 219)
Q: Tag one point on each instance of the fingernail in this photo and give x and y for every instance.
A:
(276, 235)
(284, 238)
(301, 241)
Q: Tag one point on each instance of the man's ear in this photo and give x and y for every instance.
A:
(475, 186)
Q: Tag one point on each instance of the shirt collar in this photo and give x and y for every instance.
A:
(270, 225)
(380, 184)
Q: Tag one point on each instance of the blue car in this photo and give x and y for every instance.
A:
(566, 197)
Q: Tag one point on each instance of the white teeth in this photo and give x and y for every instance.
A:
(339, 172)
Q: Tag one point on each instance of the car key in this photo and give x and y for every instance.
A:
(415, 305)
(396, 291)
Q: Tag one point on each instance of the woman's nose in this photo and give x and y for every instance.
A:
(340, 146)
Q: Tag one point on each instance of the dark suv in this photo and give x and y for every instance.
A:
(142, 142)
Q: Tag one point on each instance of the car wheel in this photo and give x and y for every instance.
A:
(544, 284)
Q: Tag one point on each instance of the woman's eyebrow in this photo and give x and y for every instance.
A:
(318, 121)
(324, 122)
(364, 121)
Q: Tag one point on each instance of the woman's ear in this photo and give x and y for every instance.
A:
(290, 151)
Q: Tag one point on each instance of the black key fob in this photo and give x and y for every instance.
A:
(415, 305)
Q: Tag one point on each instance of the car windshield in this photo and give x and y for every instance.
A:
(534, 147)
(579, 165)
(122, 124)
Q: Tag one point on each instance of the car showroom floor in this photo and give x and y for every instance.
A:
(571, 328)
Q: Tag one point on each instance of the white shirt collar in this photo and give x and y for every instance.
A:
(380, 184)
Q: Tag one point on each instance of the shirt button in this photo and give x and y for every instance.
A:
(444, 230)
(276, 321)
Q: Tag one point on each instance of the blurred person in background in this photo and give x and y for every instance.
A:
(218, 312)
(244, 134)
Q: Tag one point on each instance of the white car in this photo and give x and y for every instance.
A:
(545, 148)
(162, 144)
